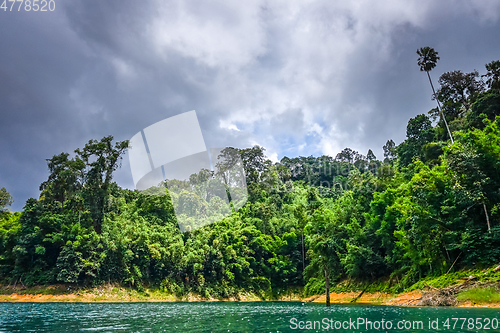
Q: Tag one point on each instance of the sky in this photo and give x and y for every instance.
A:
(299, 78)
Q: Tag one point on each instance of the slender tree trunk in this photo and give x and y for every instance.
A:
(454, 262)
(439, 107)
(303, 255)
(355, 299)
(487, 217)
(327, 287)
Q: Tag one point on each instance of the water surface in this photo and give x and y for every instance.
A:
(239, 317)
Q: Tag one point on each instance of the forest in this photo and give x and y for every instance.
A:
(430, 206)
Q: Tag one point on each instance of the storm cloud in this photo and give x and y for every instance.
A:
(297, 77)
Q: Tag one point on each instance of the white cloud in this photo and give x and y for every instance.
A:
(272, 57)
(256, 62)
(273, 157)
(229, 126)
(218, 34)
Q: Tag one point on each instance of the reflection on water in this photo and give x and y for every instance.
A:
(236, 317)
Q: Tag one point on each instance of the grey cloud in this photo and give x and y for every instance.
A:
(326, 75)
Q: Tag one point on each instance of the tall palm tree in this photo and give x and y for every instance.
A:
(427, 60)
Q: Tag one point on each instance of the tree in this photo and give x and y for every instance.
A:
(423, 222)
(65, 180)
(487, 104)
(419, 131)
(9, 233)
(300, 213)
(493, 74)
(5, 199)
(390, 152)
(348, 155)
(458, 90)
(322, 252)
(427, 60)
(225, 166)
(254, 162)
(371, 156)
(475, 158)
(86, 177)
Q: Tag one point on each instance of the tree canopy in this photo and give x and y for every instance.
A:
(430, 207)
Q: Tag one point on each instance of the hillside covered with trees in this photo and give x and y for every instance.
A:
(431, 205)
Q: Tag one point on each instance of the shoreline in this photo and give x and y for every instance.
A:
(113, 294)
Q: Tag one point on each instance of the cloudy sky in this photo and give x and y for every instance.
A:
(297, 77)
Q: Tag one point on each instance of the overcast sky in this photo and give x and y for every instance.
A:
(297, 77)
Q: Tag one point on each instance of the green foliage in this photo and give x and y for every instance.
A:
(427, 58)
(458, 91)
(10, 229)
(442, 281)
(493, 75)
(480, 295)
(419, 132)
(430, 208)
(5, 199)
(487, 105)
(390, 152)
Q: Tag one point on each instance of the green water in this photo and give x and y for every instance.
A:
(238, 317)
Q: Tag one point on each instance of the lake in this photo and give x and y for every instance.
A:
(240, 317)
